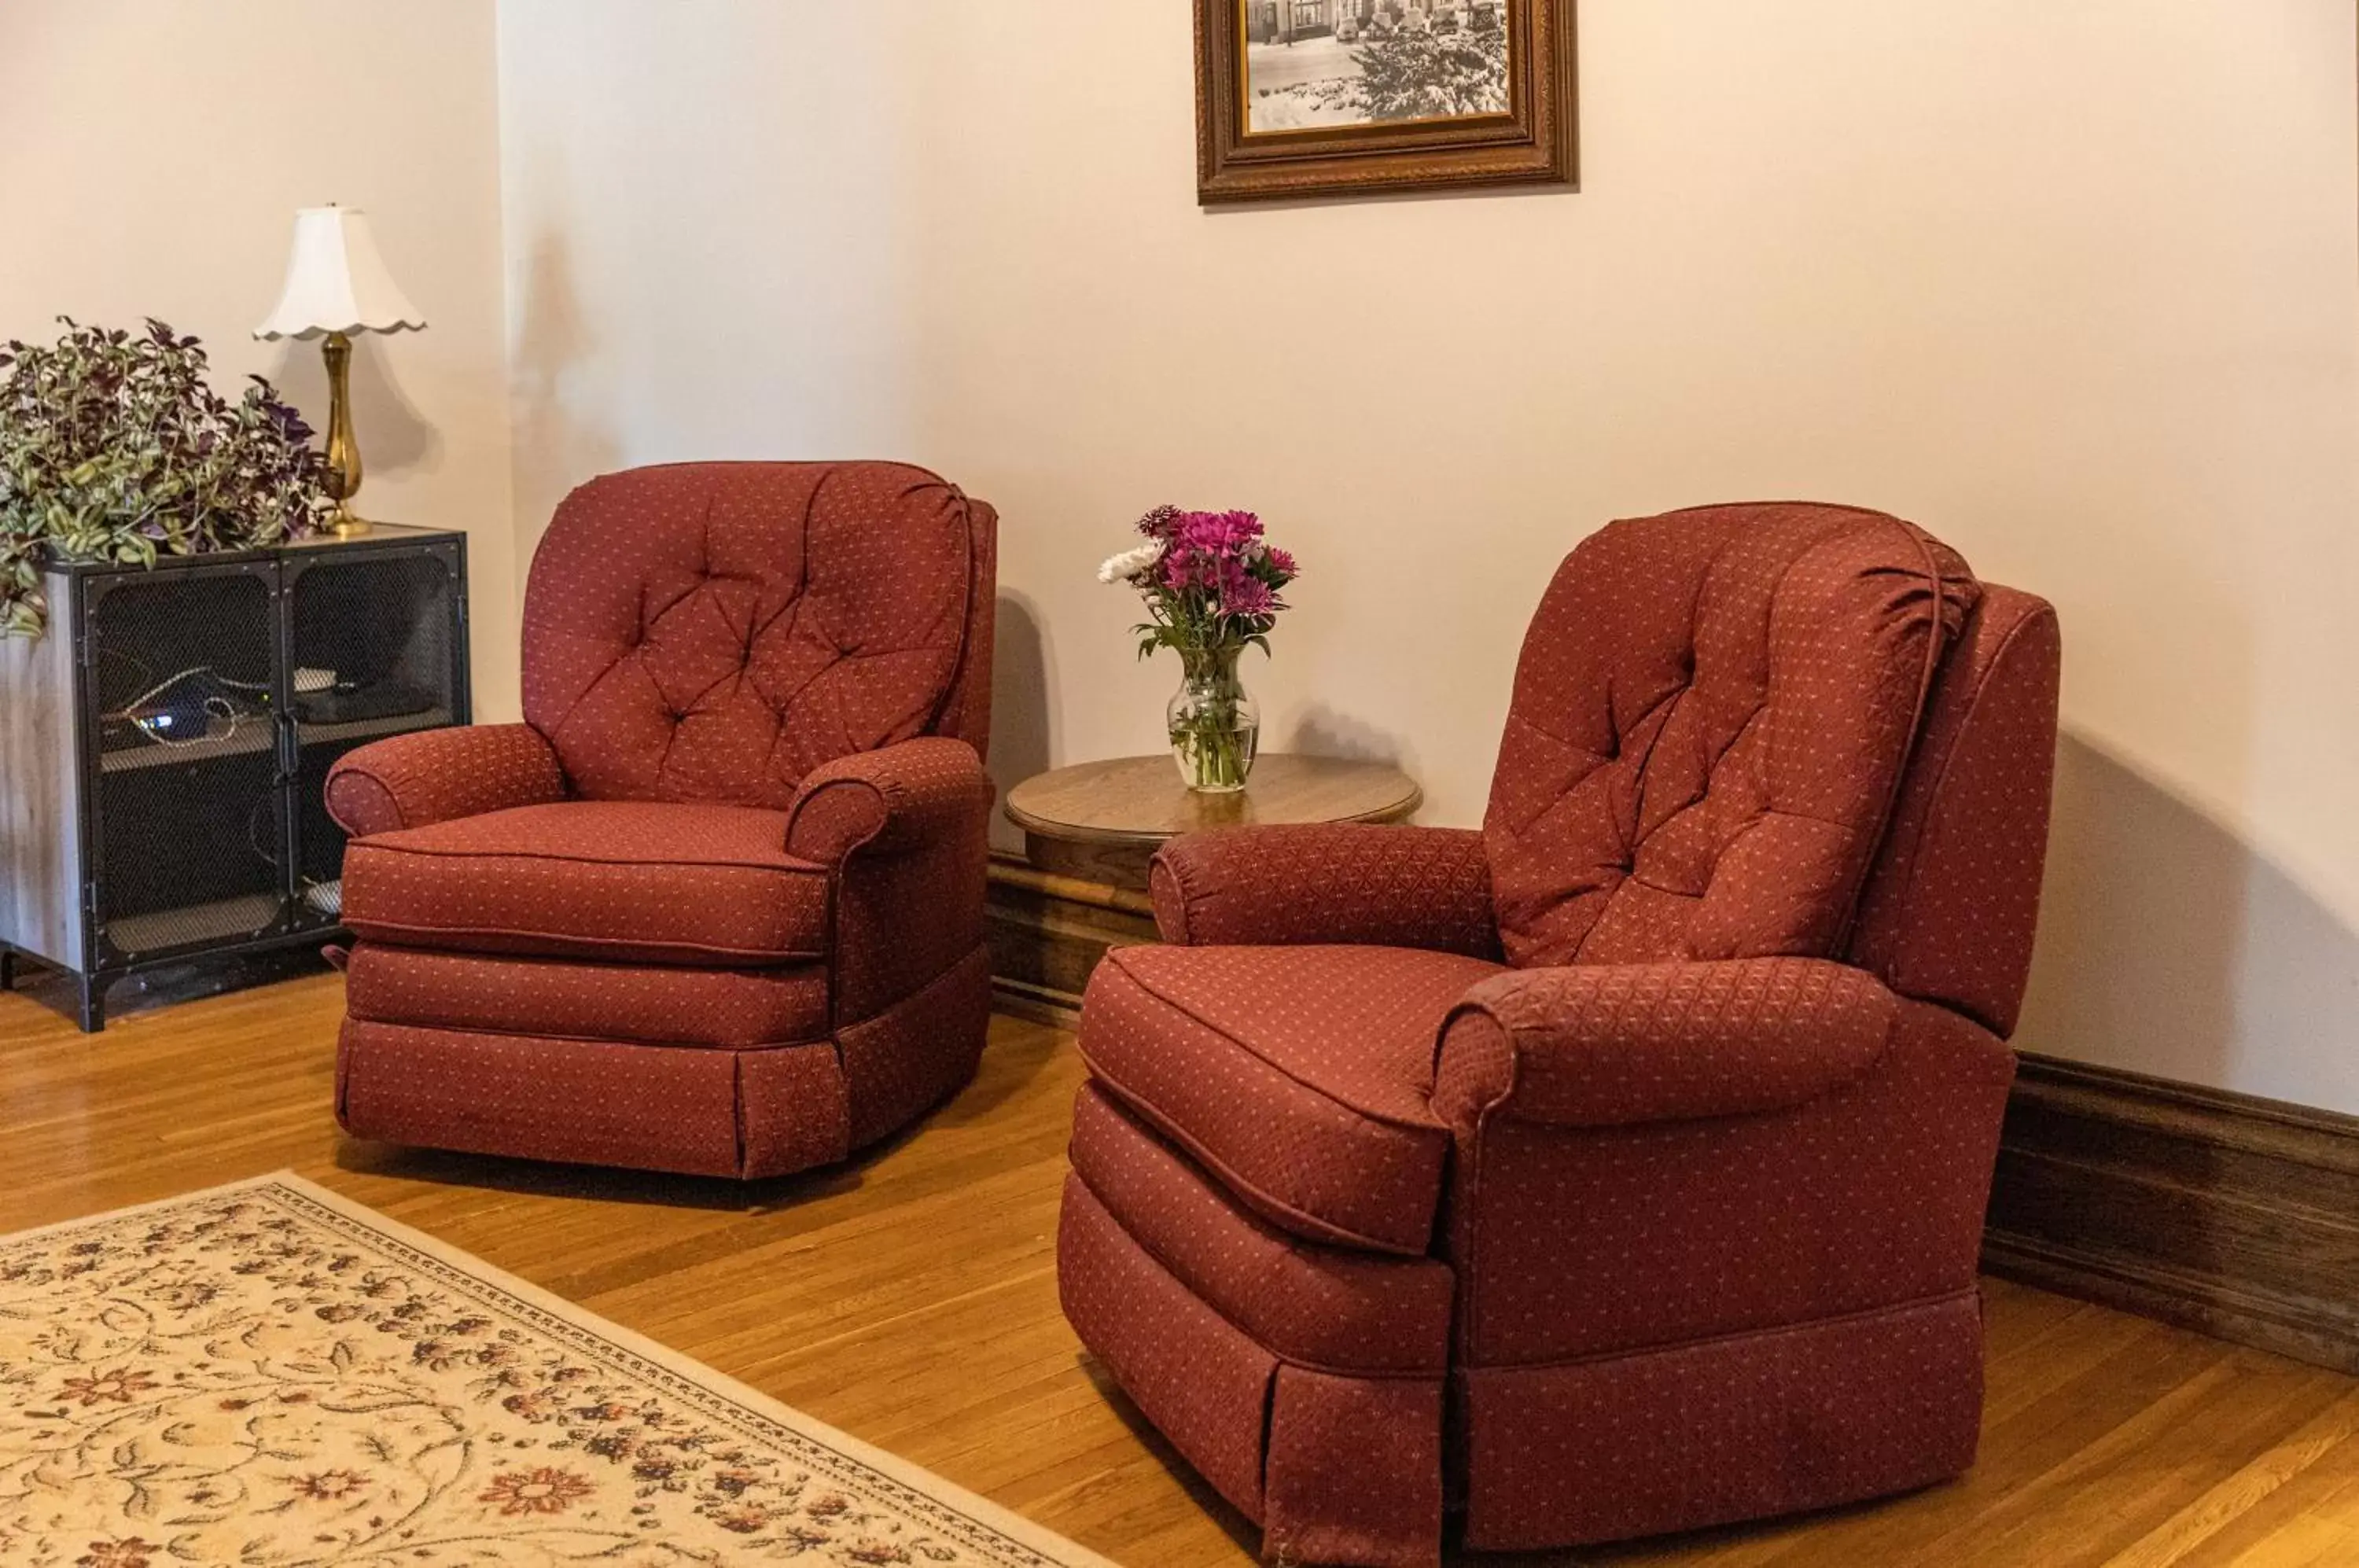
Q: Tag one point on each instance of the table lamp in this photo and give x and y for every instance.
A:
(336, 285)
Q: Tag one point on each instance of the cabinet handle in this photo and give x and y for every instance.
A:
(290, 749)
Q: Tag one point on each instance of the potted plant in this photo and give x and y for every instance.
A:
(114, 447)
(1211, 584)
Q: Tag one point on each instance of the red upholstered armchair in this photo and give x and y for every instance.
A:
(1619, 1168)
(716, 905)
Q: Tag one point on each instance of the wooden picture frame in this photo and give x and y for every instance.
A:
(1284, 92)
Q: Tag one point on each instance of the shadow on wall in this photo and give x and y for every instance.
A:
(1020, 704)
(395, 437)
(1320, 730)
(2169, 946)
(556, 448)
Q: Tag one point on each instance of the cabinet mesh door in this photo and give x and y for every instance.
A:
(371, 655)
(188, 814)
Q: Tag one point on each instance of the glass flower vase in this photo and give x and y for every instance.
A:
(1214, 722)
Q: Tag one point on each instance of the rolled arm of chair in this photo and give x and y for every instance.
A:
(889, 800)
(1355, 883)
(434, 776)
(1615, 1045)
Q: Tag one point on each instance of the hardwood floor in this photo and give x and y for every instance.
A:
(910, 1298)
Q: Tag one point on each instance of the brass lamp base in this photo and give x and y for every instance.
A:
(344, 451)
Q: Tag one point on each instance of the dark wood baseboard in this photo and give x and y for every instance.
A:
(1047, 932)
(2232, 1215)
(1018, 1000)
(2235, 1216)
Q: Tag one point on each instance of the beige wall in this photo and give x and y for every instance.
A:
(2077, 285)
(152, 155)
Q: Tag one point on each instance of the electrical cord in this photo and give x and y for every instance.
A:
(214, 705)
(253, 835)
(326, 897)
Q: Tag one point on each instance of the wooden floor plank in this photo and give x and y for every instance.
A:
(2241, 1495)
(910, 1297)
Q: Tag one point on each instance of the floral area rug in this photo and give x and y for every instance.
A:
(266, 1376)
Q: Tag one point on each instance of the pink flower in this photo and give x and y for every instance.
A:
(1248, 597)
(1218, 533)
(1207, 578)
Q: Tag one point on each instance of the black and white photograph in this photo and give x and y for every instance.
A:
(1330, 64)
(1302, 99)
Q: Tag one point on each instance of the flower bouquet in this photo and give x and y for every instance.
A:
(1211, 584)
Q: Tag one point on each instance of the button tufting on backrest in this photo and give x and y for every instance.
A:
(1711, 714)
(716, 631)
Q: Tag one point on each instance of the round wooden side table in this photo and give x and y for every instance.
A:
(1102, 821)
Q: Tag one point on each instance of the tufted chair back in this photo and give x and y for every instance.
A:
(714, 631)
(1711, 719)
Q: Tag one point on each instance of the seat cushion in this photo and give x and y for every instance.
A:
(618, 880)
(1297, 1077)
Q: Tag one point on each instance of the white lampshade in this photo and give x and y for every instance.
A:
(336, 282)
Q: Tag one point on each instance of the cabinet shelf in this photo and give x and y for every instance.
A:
(247, 915)
(241, 739)
(372, 729)
(253, 735)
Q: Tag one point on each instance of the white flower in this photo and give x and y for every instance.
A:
(1132, 564)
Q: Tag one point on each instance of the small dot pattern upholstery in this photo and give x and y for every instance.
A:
(1701, 1122)
(611, 880)
(1205, 1383)
(1303, 1075)
(716, 631)
(729, 1008)
(1590, 1240)
(1326, 1307)
(1338, 882)
(1709, 1430)
(588, 1102)
(1336, 1469)
(894, 799)
(1616, 1044)
(1953, 904)
(1709, 726)
(716, 907)
(417, 780)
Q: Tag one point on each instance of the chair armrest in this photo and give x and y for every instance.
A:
(434, 776)
(887, 800)
(1615, 1045)
(1355, 883)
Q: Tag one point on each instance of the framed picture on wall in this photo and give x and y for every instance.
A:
(1305, 98)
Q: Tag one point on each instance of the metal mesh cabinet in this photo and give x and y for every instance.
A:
(164, 749)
